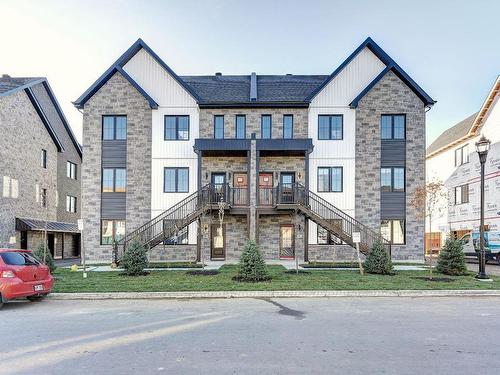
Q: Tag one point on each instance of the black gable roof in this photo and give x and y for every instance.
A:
(270, 88)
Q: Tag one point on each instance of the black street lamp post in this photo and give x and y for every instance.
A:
(482, 147)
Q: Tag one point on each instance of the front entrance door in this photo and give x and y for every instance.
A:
(218, 242)
(265, 188)
(287, 246)
(50, 243)
(219, 185)
(240, 191)
(24, 240)
(287, 180)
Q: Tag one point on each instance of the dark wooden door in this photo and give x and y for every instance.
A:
(265, 188)
(218, 245)
(287, 181)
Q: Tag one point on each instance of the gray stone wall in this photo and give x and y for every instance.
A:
(23, 138)
(253, 121)
(236, 227)
(65, 185)
(269, 234)
(173, 253)
(227, 165)
(326, 253)
(390, 96)
(279, 164)
(116, 97)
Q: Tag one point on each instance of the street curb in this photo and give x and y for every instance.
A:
(275, 294)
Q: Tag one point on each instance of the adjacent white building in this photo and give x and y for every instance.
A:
(452, 159)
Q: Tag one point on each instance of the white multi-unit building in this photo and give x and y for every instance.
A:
(453, 160)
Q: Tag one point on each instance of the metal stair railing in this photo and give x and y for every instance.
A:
(169, 222)
(337, 221)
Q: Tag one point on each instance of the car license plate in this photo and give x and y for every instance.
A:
(38, 288)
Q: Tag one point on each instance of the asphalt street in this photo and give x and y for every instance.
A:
(252, 336)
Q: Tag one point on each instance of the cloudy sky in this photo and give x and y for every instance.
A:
(450, 48)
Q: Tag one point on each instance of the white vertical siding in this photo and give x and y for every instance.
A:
(334, 99)
(156, 81)
(173, 99)
(350, 81)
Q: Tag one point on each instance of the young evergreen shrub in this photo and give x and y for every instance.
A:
(252, 266)
(135, 259)
(49, 261)
(451, 259)
(378, 260)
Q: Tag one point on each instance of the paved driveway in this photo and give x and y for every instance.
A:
(252, 336)
(491, 268)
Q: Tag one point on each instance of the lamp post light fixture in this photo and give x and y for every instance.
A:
(482, 147)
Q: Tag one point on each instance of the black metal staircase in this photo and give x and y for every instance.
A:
(326, 215)
(284, 197)
(171, 221)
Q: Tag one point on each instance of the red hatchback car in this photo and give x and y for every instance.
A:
(23, 275)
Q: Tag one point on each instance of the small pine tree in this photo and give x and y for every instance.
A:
(451, 259)
(49, 261)
(378, 260)
(135, 259)
(252, 266)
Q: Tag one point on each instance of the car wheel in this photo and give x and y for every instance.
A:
(35, 298)
(498, 259)
(1, 303)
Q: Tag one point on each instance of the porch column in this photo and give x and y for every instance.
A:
(252, 178)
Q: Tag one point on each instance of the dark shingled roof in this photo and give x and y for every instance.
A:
(52, 226)
(452, 134)
(9, 83)
(270, 88)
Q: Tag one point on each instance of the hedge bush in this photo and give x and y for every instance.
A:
(49, 261)
(252, 266)
(451, 259)
(378, 260)
(135, 259)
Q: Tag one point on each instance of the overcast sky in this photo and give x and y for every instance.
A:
(450, 48)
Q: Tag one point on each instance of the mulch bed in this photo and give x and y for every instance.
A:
(434, 279)
(202, 272)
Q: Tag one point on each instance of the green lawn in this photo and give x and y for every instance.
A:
(163, 281)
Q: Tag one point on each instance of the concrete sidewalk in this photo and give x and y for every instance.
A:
(275, 294)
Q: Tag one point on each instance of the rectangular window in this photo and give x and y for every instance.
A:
(176, 128)
(114, 180)
(43, 197)
(43, 159)
(71, 170)
(392, 179)
(288, 126)
(70, 204)
(326, 238)
(461, 155)
(330, 179)
(182, 238)
(265, 126)
(112, 230)
(114, 127)
(241, 126)
(218, 127)
(393, 231)
(462, 194)
(393, 127)
(330, 127)
(176, 180)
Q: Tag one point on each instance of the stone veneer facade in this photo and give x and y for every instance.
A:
(390, 96)
(116, 97)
